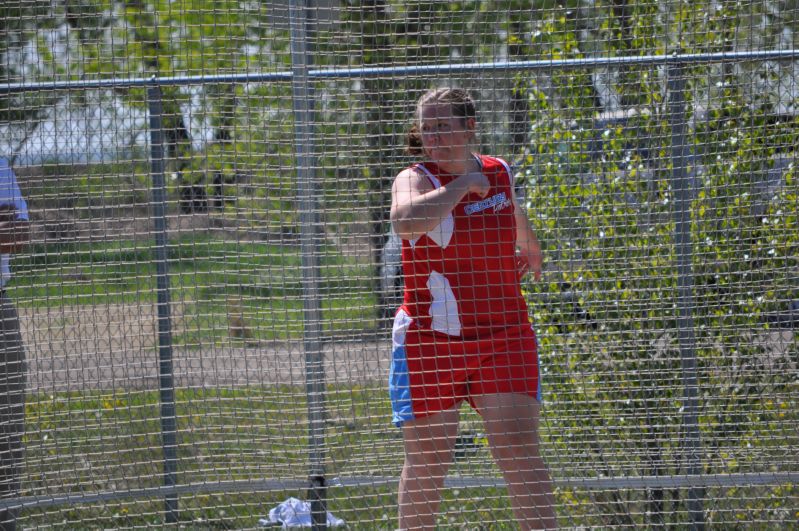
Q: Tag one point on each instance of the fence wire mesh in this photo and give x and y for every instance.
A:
(207, 295)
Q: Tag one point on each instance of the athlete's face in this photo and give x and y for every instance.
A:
(445, 138)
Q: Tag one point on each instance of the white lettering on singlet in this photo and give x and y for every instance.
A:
(497, 202)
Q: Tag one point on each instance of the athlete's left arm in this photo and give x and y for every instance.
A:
(530, 256)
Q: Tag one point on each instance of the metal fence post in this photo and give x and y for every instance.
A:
(683, 195)
(302, 94)
(165, 369)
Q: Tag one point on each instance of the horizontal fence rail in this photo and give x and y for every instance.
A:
(266, 485)
(414, 70)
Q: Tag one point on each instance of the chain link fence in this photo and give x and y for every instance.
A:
(205, 303)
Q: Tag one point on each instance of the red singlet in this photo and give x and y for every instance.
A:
(463, 328)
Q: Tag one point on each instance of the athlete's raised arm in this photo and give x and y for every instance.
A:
(418, 207)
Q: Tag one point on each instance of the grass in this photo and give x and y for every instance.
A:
(209, 280)
(101, 442)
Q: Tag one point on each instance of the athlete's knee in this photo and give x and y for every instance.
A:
(519, 445)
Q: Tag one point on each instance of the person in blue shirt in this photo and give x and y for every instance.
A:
(14, 236)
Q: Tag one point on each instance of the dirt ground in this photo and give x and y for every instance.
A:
(114, 347)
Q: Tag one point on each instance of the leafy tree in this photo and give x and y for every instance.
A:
(28, 31)
(601, 192)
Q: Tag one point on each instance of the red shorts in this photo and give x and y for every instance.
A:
(432, 372)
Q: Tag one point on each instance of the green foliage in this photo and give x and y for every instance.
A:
(602, 195)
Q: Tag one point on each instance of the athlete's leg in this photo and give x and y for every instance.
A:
(429, 442)
(511, 421)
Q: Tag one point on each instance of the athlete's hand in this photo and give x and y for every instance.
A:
(526, 262)
(477, 183)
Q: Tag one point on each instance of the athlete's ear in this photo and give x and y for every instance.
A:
(471, 127)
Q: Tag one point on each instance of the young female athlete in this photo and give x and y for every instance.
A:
(463, 332)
